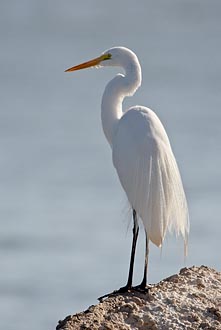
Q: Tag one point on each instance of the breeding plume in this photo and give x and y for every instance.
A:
(142, 156)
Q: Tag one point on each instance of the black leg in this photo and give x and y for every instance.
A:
(134, 243)
(143, 285)
(128, 286)
(144, 281)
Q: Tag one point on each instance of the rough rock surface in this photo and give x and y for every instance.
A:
(188, 300)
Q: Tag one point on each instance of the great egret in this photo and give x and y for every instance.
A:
(142, 156)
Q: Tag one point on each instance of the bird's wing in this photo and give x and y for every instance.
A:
(149, 174)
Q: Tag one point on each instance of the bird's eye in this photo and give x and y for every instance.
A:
(107, 56)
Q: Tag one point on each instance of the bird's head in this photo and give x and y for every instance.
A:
(116, 56)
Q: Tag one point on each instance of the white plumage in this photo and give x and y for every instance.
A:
(149, 174)
(142, 156)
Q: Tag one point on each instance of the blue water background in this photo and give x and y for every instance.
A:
(65, 231)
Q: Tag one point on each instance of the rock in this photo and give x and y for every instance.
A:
(188, 300)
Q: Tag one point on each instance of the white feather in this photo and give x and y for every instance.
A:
(142, 156)
(148, 172)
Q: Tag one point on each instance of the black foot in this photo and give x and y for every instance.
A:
(142, 288)
(124, 289)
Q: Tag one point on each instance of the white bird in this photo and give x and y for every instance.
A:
(142, 156)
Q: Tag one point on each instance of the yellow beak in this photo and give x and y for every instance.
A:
(96, 61)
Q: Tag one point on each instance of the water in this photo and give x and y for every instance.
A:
(65, 235)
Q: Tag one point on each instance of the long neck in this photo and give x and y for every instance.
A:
(114, 93)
